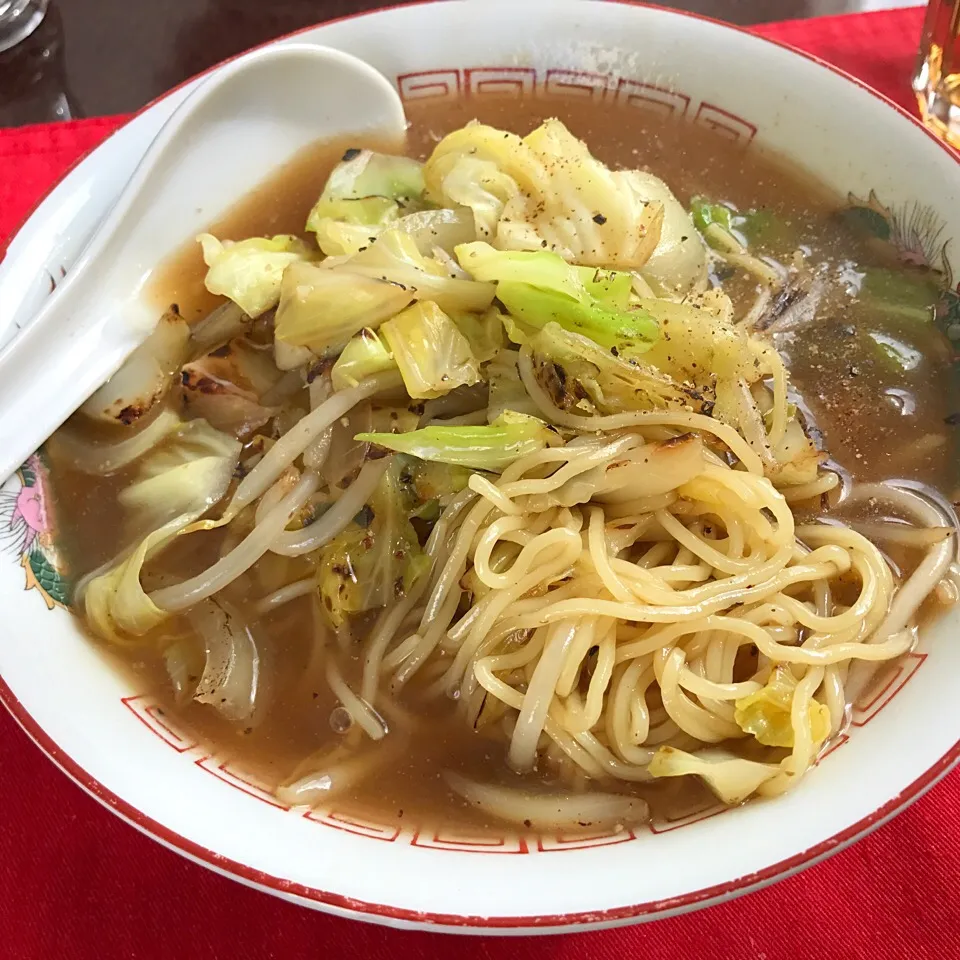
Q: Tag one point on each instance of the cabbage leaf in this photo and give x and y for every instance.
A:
(224, 387)
(365, 192)
(249, 271)
(505, 388)
(540, 287)
(145, 377)
(493, 447)
(484, 332)
(766, 714)
(396, 258)
(580, 375)
(321, 307)
(365, 355)
(176, 485)
(434, 357)
(376, 559)
(544, 191)
(730, 778)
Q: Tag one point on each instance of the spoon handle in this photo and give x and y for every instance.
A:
(51, 359)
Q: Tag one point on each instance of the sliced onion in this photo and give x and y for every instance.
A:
(184, 669)
(218, 326)
(145, 377)
(231, 682)
(329, 773)
(550, 811)
(99, 459)
(891, 531)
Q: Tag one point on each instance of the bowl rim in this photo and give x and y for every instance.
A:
(462, 923)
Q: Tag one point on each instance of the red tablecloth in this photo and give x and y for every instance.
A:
(76, 882)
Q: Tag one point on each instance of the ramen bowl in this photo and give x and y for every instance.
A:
(116, 742)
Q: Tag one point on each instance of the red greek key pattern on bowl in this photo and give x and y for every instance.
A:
(577, 83)
(631, 93)
(154, 718)
(685, 819)
(239, 780)
(726, 124)
(450, 838)
(500, 81)
(352, 823)
(429, 85)
(525, 81)
(885, 686)
(551, 844)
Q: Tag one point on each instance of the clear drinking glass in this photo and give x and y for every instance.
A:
(936, 80)
(33, 81)
(18, 19)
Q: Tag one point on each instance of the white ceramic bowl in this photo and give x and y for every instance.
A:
(116, 745)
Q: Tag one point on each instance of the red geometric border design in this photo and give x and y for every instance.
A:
(153, 717)
(232, 778)
(497, 81)
(351, 823)
(577, 83)
(706, 812)
(886, 685)
(632, 93)
(429, 85)
(447, 83)
(560, 842)
(726, 124)
(447, 838)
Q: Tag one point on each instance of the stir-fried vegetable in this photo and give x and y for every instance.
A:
(362, 357)
(175, 487)
(364, 193)
(546, 191)
(492, 447)
(376, 559)
(705, 213)
(434, 357)
(225, 387)
(537, 288)
(730, 778)
(321, 307)
(249, 272)
(766, 714)
(483, 331)
(145, 378)
(578, 373)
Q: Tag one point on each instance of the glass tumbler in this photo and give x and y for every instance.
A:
(936, 80)
(18, 19)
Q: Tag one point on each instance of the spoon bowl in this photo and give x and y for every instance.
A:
(261, 107)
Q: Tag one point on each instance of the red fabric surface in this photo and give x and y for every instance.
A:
(77, 883)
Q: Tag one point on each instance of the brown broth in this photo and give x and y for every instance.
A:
(846, 389)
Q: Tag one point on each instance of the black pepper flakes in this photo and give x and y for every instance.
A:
(600, 219)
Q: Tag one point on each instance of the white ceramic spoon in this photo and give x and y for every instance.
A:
(240, 124)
